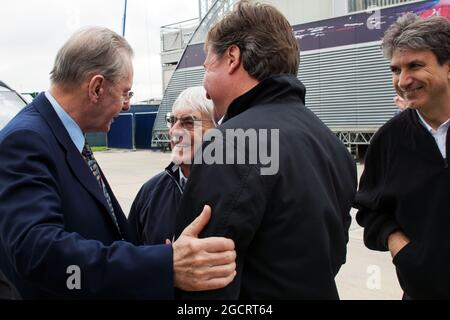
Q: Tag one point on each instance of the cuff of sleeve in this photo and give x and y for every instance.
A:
(159, 268)
(385, 231)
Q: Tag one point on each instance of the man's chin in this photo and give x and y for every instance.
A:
(179, 159)
(413, 104)
(176, 157)
(108, 126)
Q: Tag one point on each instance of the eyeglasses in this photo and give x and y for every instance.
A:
(187, 122)
(128, 95)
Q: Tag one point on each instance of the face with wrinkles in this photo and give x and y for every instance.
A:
(419, 79)
(186, 130)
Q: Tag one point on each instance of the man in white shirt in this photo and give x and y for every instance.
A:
(403, 199)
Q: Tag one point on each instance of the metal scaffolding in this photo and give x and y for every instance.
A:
(204, 6)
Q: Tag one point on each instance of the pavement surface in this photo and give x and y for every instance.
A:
(367, 275)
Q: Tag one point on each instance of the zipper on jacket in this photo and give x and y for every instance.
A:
(175, 181)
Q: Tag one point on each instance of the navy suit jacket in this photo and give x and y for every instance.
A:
(53, 215)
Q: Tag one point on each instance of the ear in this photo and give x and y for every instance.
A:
(233, 55)
(96, 88)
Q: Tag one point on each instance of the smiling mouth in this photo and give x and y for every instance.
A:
(411, 91)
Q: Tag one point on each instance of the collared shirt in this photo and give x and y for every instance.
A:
(440, 135)
(71, 126)
(183, 179)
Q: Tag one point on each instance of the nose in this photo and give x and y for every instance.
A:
(404, 80)
(176, 127)
(176, 136)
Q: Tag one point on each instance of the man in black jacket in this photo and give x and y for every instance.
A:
(280, 183)
(403, 199)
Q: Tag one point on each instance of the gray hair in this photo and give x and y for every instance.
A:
(89, 51)
(194, 99)
(414, 33)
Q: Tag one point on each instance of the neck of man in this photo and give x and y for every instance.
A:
(435, 117)
(71, 101)
(186, 168)
(240, 86)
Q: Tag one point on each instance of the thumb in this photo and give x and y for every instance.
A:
(199, 223)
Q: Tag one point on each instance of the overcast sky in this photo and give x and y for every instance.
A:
(31, 32)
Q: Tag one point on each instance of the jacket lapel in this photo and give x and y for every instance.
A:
(74, 159)
(120, 216)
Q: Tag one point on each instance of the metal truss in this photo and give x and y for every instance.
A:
(355, 137)
(161, 139)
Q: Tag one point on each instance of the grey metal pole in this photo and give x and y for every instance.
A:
(124, 21)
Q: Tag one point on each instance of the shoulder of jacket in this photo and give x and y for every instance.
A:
(394, 128)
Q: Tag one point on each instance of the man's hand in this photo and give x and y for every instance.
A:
(396, 242)
(202, 264)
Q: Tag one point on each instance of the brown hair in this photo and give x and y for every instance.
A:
(263, 35)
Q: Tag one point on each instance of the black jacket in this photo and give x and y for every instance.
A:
(152, 215)
(405, 185)
(290, 228)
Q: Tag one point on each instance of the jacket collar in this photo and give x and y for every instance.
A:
(268, 90)
(44, 107)
(72, 128)
(173, 170)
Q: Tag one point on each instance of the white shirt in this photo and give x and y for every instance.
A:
(183, 179)
(440, 135)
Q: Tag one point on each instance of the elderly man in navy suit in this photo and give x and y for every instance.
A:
(62, 231)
